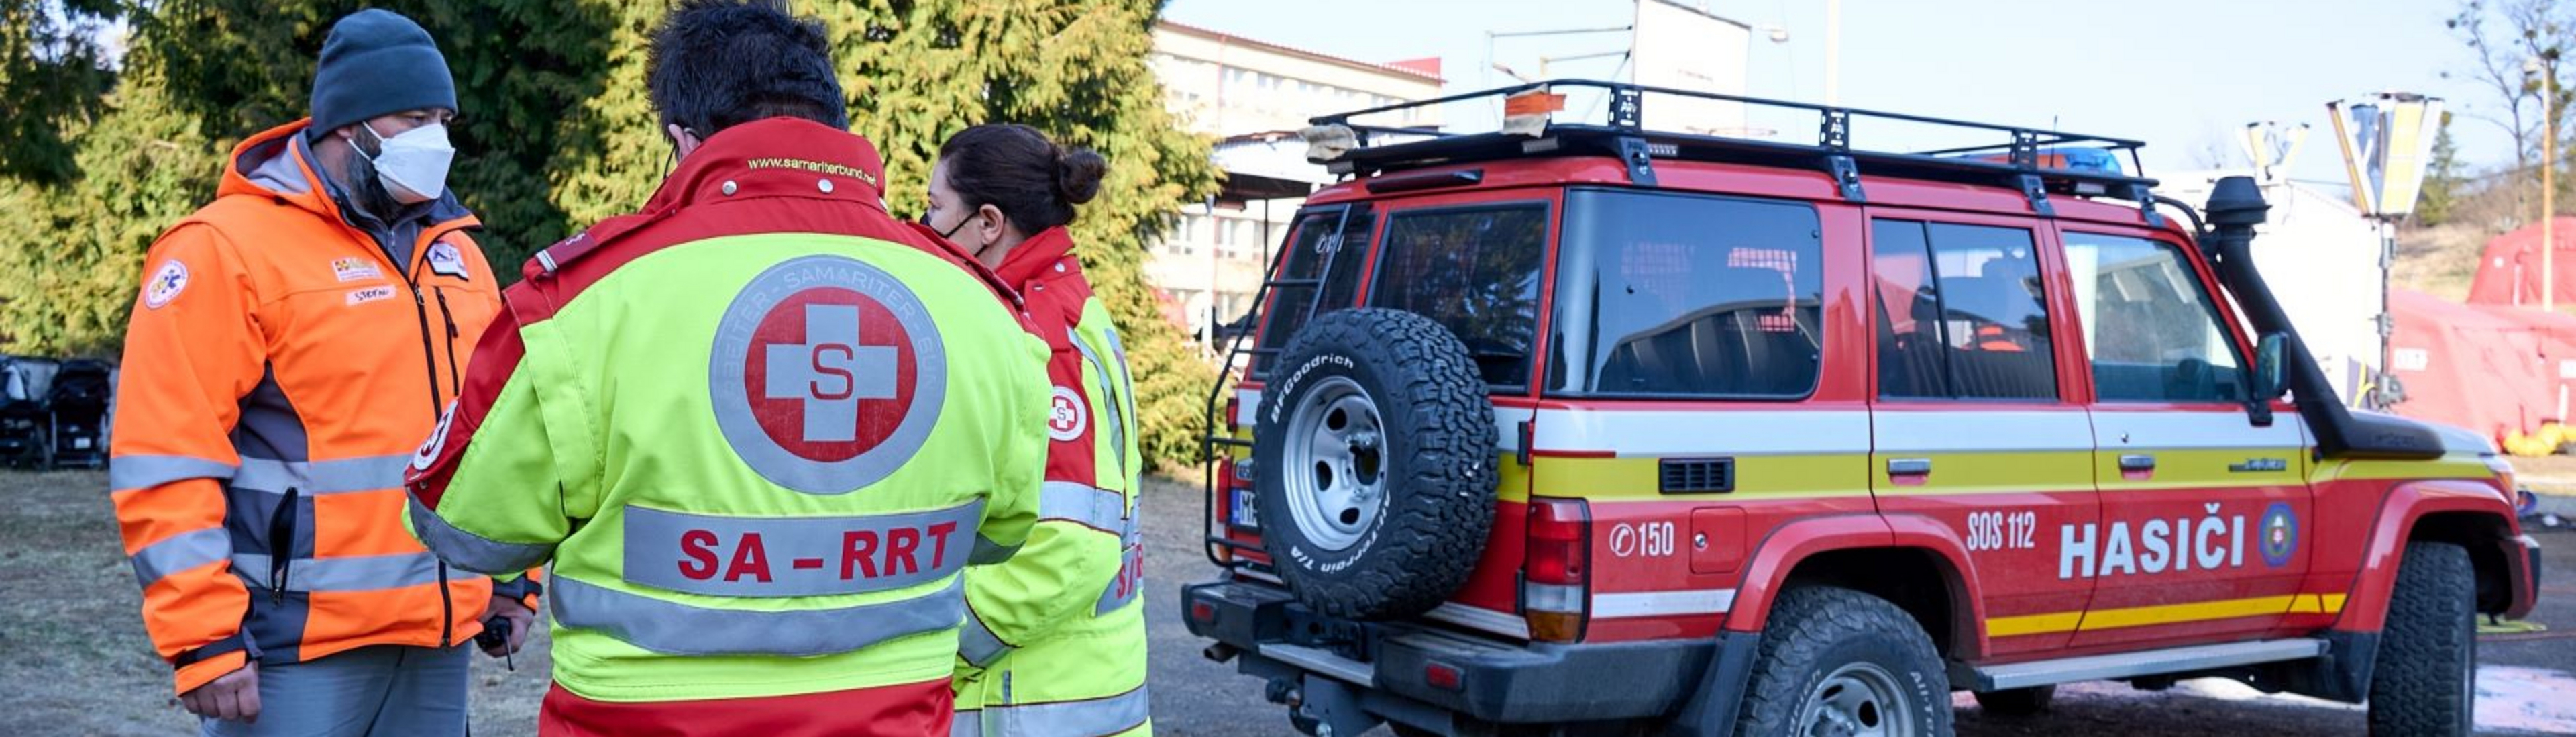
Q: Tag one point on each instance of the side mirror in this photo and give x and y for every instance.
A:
(2270, 380)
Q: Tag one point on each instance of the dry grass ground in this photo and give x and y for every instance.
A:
(72, 643)
(2441, 260)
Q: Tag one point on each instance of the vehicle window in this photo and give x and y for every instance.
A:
(1960, 314)
(1680, 295)
(1312, 247)
(1476, 272)
(2149, 329)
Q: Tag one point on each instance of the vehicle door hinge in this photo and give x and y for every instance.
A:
(1529, 433)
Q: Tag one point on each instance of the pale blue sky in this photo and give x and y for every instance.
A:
(2179, 74)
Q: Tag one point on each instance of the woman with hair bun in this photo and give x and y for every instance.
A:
(1054, 640)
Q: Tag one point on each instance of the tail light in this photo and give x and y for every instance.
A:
(1556, 569)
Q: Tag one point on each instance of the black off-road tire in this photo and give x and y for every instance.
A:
(2018, 702)
(1437, 464)
(1815, 630)
(2425, 679)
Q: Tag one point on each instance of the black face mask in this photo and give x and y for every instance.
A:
(951, 235)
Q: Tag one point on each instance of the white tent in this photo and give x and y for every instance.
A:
(2322, 259)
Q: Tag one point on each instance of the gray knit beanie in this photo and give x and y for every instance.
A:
(375, 63)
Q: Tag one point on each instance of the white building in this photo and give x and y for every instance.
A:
(1253, 97)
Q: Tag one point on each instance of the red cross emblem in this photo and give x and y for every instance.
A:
(826, 374)
(829, 374)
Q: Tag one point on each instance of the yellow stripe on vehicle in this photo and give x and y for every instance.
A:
(2033, 624)
(2201, 469)
(1756, 477)
(1516, 479)
(2453, 466)
(2317, 604)
(2198, 611)
(2023, 472)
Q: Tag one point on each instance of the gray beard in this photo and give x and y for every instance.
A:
(367, 191)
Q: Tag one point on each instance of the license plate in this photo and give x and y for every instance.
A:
(80, 443)
(1240, 510)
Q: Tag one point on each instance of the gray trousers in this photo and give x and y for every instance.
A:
(382, 691)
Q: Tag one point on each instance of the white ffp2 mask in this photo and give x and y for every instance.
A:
(413, 165)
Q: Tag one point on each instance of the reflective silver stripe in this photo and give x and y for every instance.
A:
(1131, 571)
(977, 643)
(988, 552)
(125, 473)
(1117, 415)
(181, 552)
(967, 723)
(672, 628)
(357, 573)
(1098, 508)
(763, 557)
(470, 551)
(374, 473)
(1071, 718)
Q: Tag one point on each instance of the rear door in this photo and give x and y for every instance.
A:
(1691, 399)
(2203, 507)
(1318, 271)
(1474, 262)
(1974, 425)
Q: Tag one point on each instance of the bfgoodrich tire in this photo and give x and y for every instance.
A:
(2425, 681)
(1838, 661)
(1375, 476)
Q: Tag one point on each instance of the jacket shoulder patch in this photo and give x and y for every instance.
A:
(564, 252)
(166, 284)
(1069, 417)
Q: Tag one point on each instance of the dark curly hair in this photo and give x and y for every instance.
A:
(1035, 182)
(716, 64)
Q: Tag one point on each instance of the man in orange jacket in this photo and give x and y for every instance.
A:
(292, 343)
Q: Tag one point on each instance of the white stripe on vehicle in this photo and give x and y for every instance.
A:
(1662, 603)
(2197, 430)
(1983, 431)
(1654, 434)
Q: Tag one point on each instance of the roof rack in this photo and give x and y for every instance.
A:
(2036, 162)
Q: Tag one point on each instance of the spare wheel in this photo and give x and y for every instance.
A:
(1376, 477)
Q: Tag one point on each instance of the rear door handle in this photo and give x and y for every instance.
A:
(1909, 466)
(2137, 462)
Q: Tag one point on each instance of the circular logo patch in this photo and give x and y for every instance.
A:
(437, 442)
(1067, 421)
(2280, 535)
(165, 284)
(827, 374)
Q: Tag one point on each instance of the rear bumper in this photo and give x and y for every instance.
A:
(1500, 680)
(2530, 557)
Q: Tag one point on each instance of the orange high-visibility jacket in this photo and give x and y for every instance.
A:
(279, 371)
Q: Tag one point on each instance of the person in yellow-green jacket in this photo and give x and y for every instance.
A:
(1055, 638)
(758, 429)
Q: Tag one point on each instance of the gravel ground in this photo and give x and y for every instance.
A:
(2523, 681)
(71, 643)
